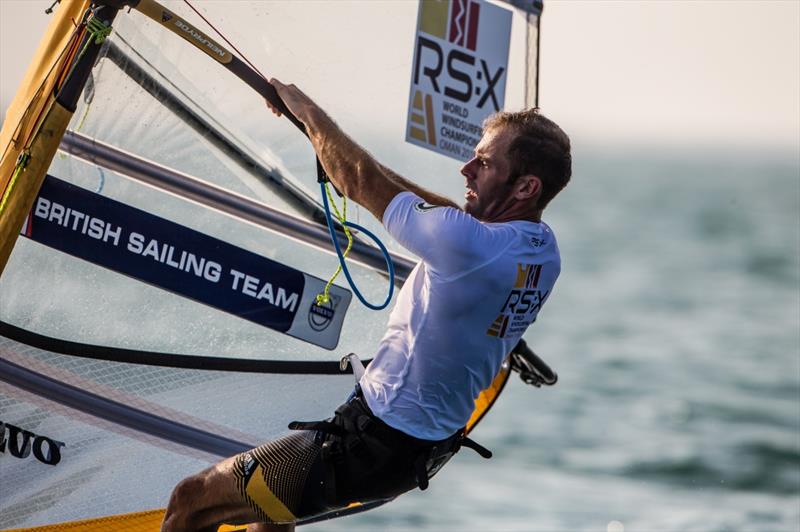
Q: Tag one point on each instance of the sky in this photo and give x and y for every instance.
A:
(715, 73)
(680, 72)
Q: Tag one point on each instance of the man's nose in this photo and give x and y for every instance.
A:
(466, 170)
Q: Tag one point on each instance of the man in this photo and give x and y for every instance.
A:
(485, 272)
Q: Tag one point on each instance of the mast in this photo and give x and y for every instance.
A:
(30, 142)
(533, 16)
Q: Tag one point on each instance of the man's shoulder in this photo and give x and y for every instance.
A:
(524, 237)
(422, 206)
(445, 217)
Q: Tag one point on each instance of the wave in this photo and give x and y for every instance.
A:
(758, 466)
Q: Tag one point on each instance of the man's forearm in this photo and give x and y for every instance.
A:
(350, 167)
(355, 172)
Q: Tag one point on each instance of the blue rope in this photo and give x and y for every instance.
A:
(102, 180)
(389, 263)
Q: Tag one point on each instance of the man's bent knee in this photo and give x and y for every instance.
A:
(202, 501)
(183, 503)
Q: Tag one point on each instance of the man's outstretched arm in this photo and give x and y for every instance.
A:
(350, 167)
(427, 195)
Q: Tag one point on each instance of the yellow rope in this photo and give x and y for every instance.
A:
(324, 297)
(96, 29)
(22, 162)
(83, 118)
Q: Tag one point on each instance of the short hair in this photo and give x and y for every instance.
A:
(541, 148)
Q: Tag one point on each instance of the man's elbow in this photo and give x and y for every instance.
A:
(365, 178)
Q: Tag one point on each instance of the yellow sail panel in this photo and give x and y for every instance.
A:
(39, 80)
(147, 521)
(33, 126)
(488, 396)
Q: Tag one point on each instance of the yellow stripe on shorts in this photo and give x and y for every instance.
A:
(260, 494)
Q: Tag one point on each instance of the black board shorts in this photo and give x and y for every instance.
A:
(328, 465)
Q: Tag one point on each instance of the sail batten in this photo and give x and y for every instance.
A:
(225, 201)
(118, 413)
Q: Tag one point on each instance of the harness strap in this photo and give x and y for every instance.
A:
(421, 471)
(355, 363)
(477, 447)
(322, 426)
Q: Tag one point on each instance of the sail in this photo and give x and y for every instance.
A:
(157, 311)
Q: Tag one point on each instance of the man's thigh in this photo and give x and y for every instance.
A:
(283, 480)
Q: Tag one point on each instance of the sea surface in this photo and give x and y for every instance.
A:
(675, 331)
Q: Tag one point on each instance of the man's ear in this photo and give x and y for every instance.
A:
(527, 186)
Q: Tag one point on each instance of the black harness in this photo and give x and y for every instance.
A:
(352, 457)
(367, 459)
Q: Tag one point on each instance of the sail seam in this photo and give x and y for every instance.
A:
(170, 360)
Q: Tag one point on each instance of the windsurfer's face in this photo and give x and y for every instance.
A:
(488, 193)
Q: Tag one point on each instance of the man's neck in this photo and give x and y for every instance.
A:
(526, 215)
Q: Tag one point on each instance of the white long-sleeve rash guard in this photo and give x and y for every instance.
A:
(461, 311)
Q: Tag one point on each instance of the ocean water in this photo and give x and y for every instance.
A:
(675, 330)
